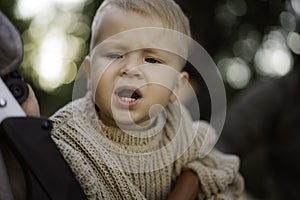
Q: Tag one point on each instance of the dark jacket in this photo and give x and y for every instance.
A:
(268, 115)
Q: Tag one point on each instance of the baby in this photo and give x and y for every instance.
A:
(129, 137)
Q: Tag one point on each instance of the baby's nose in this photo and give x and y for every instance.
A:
(132, 72)
(131, 66)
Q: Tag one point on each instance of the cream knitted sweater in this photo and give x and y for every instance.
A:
(113, 164)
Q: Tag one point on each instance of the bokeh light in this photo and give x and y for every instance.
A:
(247, 45)
(288, 21)
(237, 7)
(273, 57)
(293, 42)
(32, 8)
(296, 6)
(55, 40)
(235, 72)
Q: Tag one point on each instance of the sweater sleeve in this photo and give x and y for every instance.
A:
(218, 174)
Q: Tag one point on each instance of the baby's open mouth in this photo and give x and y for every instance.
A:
(128, 95)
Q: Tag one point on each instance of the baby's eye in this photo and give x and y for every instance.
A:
(152, 60)
(114, 55)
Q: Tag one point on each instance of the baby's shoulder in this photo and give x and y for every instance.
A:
(67, 112)
(204, 138)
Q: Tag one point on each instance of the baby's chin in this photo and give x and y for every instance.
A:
(134, 126)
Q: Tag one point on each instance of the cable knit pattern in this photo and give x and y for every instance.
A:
(110, 163)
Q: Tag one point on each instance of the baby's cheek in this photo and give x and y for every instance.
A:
(160, 94)
(162, 75)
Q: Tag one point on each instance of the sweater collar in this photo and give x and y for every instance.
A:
(150, 136)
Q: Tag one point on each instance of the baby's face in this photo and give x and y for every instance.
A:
(132, 70)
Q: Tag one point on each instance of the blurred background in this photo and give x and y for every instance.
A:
(249, 40)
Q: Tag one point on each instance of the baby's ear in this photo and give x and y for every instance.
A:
(86, 66)
(182, 81)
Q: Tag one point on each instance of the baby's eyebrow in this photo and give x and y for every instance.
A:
(127, 47)
(156, 51)
(149, 50)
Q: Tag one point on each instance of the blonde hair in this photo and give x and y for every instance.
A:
(167, 10)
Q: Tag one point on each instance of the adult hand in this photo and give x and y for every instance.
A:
(31, 105)
(187, 187)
